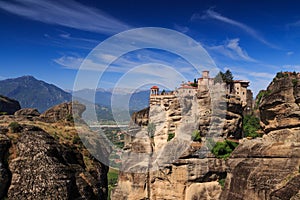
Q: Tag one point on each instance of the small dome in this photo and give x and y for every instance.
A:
(154, 87)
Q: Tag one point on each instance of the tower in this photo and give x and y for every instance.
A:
(154, 90)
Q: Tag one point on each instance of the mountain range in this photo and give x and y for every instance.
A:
(33, 93)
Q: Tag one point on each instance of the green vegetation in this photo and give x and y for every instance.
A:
(226, 77)
(115, 135)
(112, 178)
(170, 136)
(260, 95)
(195, 84)
(251, 126)
(3, 113)
(151, 129)
(69, 118)
(76, 140)
(15, 127)
(295, 82)
(196, 137)
(222, 182)
(224, 149)
(281, 75)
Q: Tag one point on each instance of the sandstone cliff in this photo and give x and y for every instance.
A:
(44, 158)
(263, 168)
(162, 167)
(268, 168)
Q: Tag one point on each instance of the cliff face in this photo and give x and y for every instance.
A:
(8, 106)
(279, 108)
(263, 168)
(268, 168)
(43, 157)
(160, 176)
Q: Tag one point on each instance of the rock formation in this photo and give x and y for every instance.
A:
(263, 168)
(63, 111)
(44, 158)
(187, 176)
(268, 168)
(8, 106)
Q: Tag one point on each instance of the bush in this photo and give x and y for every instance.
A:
(170, 136)
(70, 118)
(76, 140)
(15, 127)
(196, 137)
(224, 149)
(250, 126)
(295, 82)
(222, 182)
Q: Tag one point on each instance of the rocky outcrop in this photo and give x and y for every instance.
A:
(8, 106)
(265, 168)
(280, 106)
(161, 167)
(63, 112)
(268, 168)
(35, 164)
(28, 113)
(5, 175)
(41, 168)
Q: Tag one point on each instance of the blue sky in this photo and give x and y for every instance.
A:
(50, 39)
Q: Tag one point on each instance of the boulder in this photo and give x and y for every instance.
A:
(63, 112)
(27, 112)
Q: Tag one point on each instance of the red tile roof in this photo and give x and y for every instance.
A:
(154, 87)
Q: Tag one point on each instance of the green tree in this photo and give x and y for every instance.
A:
(228, 77)
(251, 126)
(219, 77)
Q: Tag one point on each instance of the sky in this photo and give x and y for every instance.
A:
(51, 40)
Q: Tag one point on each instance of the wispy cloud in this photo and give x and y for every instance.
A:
(70, 62)
(289, 53)
(293, 24)
(232, 49)
(211, 14)
(183, 29)
(65, 13)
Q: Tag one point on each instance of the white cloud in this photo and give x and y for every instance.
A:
(289, 53)
(210, 14)
(183, 29)
(232, 49)
(65, 13)
(69, 62)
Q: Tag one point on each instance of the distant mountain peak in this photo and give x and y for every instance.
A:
(33, 93)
